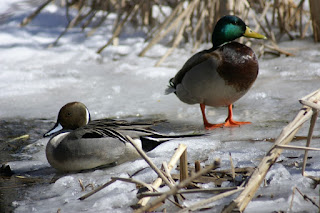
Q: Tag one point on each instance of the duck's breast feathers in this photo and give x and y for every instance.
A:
(239, 66)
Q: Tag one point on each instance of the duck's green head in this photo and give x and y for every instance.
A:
(229, 28)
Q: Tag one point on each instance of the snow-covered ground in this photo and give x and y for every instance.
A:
(35, 81)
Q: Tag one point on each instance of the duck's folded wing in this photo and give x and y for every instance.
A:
(195, 60)
(120, 128)
(95, 132)
(103, 148)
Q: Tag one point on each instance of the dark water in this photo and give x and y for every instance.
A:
(12, 187)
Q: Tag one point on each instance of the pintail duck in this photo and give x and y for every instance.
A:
(221, 75)
(79, 144)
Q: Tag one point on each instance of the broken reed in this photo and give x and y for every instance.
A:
(189, 21)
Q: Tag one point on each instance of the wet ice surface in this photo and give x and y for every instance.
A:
(37, 81)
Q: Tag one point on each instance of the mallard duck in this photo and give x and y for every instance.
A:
(221, 75)
(79, 144)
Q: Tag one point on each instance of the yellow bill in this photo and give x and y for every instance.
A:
(251, 34)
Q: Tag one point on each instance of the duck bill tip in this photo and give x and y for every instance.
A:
(252, 34)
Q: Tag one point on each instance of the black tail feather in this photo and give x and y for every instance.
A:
(152, 141)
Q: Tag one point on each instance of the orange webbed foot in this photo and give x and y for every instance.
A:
(228, 123)
(232, 123)
(209, 126)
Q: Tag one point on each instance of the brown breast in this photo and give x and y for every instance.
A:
(239, 66)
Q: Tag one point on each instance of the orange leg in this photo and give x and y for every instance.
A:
(208, 125)
(228, 123)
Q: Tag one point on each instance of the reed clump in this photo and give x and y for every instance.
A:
(188, 20)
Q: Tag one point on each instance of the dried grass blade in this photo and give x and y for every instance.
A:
(174, 159)
(260, 172)
(174, 190)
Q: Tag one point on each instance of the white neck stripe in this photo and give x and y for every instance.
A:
(87, 116)
(58, 128)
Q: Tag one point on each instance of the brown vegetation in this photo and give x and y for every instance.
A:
(192, 20)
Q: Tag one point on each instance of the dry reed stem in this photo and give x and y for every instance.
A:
(79, 17)
(91, 15)
(215, 175)
(183, 166)
(81, 185)
(262, 16)
(174, 190)
(131, 180)
(189, 191)
(297, 147)
(305, 98)
(29, 18)
(237, 170)
(167, 173)
(162, 33)
(22, 137)
(233, 173)
(310, 104)
(161, 28)
(276, 48)
(138, 182)
(200, 20)
(315, 108)
(298, 9)
(203, 203)
(173, 161)
(149, 161)
(315, 16)
(312, 124)
(179, 37)
(197, 166)
(303, 35)
(97, 189)
(305, 197)
(287, 17)
(71, 23)
(97, 25)
(292, 196)
(152, 187)
(120, 26)
(284, 138)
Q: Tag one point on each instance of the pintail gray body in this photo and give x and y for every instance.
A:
(79, 144)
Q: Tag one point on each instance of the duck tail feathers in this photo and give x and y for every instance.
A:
(152, 141)
(169, 90)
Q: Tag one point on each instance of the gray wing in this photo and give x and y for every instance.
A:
(119, 129)
(192, 62)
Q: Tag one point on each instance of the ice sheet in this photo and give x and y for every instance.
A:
(35, 81)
